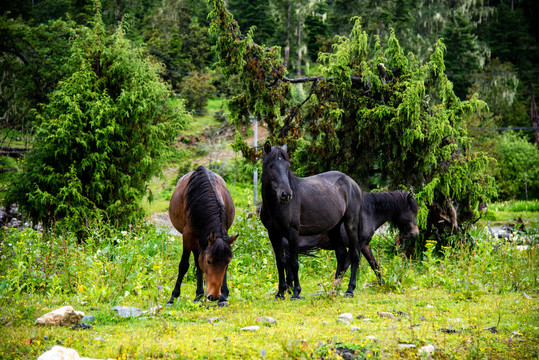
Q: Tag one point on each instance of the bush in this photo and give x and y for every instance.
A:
(196, 89)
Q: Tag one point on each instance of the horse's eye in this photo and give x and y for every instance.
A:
(271, 166)
(209, 262)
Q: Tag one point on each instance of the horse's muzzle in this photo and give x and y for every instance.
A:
(285, 197)
(212, 298)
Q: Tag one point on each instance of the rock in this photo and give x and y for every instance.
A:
(127, 311)
(422, 318)
(345, 318)
(371, 337)
(360, 317)
(386, 315)
(81, 327)
(212, 320)
(427, 350)
(61, 353)
(406, 346)
(88, 319)
(251, 328)
(266, 320)
(430, 306)
(492, 329)
(527, 296)
(366, 319)
(355, 328)
(65, 316)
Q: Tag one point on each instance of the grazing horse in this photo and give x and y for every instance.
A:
(293, 206)
(396, 207)
(201, 209)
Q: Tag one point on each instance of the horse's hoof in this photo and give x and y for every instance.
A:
(198, 298)
(349, 295)
(223, 303)
(297, 297)
(279, 297)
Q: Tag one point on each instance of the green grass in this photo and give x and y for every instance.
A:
(510, 211)
(466, 290)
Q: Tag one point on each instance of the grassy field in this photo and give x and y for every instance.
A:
(477, 302)
(450, 300)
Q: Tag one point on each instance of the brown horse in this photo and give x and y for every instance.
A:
(201, 208)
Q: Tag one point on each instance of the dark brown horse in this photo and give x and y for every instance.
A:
(201, 209)
(293, 206)
(397, 207)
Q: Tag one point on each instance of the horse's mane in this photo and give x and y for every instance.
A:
(389, 200)
(206, 210)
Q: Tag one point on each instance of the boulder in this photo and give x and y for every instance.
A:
(65, 316)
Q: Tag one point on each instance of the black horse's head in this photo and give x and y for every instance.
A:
(407, 220)
(276, 172)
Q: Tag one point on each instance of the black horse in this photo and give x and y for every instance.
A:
(293, 206)
(397, 207)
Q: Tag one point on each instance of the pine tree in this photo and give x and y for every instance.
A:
(374, 114)
(103, 135)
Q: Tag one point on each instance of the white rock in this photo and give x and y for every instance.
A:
(427, 349)
(64, 316)
(266, 320)
(345, 318)
(355, 328)
(251, 328)
(59, 353)
(386, 314)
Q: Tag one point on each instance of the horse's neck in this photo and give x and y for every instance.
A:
(384, 211)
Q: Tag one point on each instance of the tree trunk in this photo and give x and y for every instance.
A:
(287, 46)
(299, 44)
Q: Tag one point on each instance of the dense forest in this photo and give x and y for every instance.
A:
(489, 51)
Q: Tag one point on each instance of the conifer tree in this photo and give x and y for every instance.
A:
(373, 113)
(103, 135)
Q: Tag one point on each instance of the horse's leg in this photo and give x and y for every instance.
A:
(277, 244)
(340, 251)
(200, 286)
(182, 270)
(353, 246)
(224, 291)
(367, 252)
(293, 261)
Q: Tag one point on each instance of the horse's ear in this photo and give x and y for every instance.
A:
(211, 239)
(232, 239)
(267, 147)
(285, 147)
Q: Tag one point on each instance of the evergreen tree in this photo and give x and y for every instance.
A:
(254, 13)
(373, 112)
(103, 135)
(463, 59)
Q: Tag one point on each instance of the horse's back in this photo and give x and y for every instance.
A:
(226, 198)
(178, 202)
(325, 199)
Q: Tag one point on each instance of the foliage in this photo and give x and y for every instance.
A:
(374, 114)
(31, 63)
(196, 89)
(103, 135)
(518, 173)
